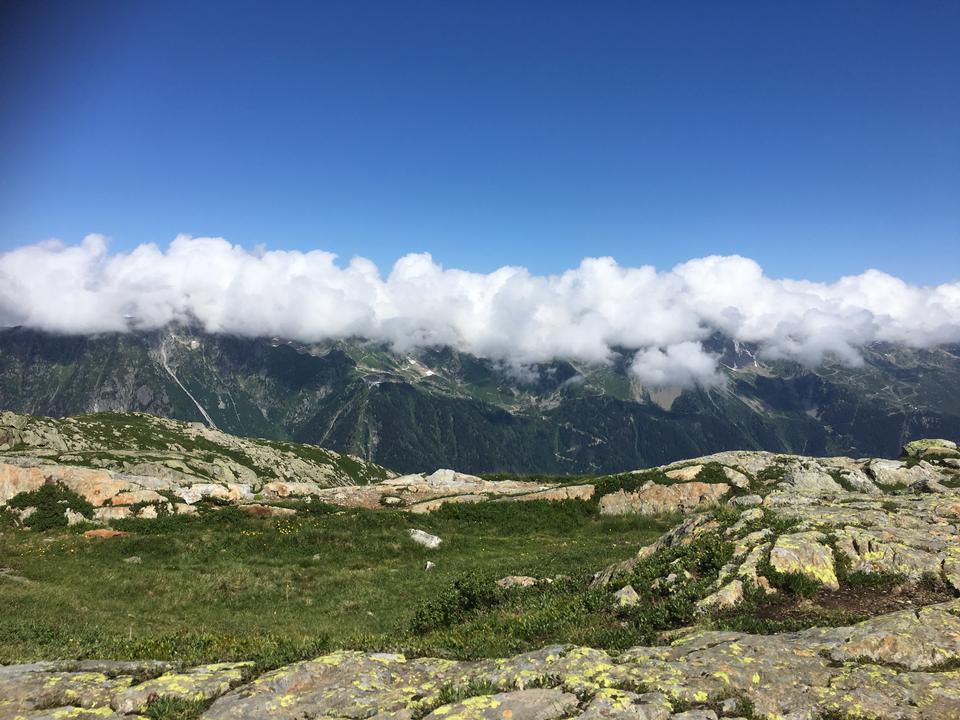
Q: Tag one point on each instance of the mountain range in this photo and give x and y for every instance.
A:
(438, 407)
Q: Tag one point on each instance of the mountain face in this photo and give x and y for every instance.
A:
(441, 408)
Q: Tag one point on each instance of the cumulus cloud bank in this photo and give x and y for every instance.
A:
(509, 314)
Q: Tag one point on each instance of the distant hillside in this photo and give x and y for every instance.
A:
(442, 408)
(168, 451)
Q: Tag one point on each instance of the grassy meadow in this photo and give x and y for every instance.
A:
(223, 585)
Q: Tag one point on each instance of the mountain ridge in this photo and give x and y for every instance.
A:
(437, 407)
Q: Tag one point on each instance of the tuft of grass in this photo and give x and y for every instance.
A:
(166, 708)
(795, 585)
(453, 693)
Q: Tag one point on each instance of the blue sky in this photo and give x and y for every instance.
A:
(817, 138)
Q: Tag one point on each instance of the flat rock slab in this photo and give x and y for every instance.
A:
(520, 705)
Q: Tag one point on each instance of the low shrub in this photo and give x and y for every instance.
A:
(51, 502)
(467, 593)
(628, 482)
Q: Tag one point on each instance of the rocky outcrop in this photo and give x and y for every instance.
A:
(816, 517)
(811, 481)
(425, 493)
(112, 492)
(15, 480)
(654, 499)
(141, 466)
(931, 449)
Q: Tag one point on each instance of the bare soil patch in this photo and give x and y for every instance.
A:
(855, 601)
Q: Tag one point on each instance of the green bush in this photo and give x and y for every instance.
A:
(628, 482)
(51, 502)
(467, 593)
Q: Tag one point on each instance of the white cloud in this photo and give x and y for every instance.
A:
(509, 315)
(680, 365)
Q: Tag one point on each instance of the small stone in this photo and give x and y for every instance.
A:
(430, 565)
(699, 714)
(765, 585)
(746, 500)
(424, 538)
(512, 581)
(133, 560)
(736, 478)
(684, 474)
(626, 596)
(728, 596)
(267, 511)
(729, 706)
(105, 533)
